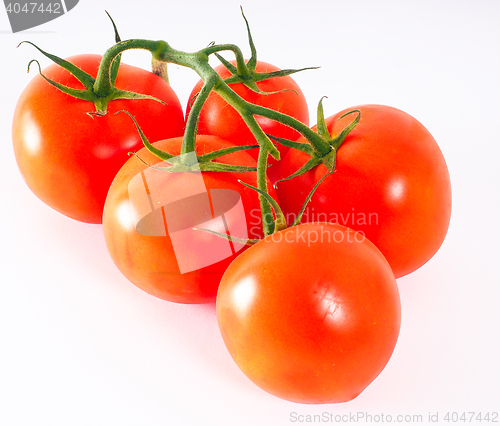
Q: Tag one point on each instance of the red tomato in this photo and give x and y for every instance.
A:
(391, 183)
(67, 158)
(310, 314)
(155, 260)
(220, 119)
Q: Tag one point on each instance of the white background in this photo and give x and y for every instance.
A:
(80, 345)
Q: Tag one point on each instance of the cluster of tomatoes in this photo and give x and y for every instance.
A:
(310, 313)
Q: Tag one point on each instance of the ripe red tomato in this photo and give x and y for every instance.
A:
(391, 183)
(68, 158)
(310, 314)
(168, 261)
(220, 119)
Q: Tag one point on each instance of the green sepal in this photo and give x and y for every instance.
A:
(311, 163)
(89, 94)
(250, 77)
(261, 76)
(339, 139)
(230, 67)
(101, 103)
(153, 166)
(308, 198)
(204, 162)
(221, 167)
(224, 151)
(177, 167)
(304, 147)
(330, 160)
(322, 129)
(116, 63)
(76, 93)
(86, 79)
(252, 85)
(252, 62)
(248, 242)
(251, 82)
(125, 94)
(163, 155)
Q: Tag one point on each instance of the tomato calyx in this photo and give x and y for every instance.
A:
(244, 71)
(189, 161)
(330, 158)
(100, 95)
(101, 90)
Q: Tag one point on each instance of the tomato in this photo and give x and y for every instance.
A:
(391, 183)
(310, 314)
(68, 158)
(155, 259)
(220, 119)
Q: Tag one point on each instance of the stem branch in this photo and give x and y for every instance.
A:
(198, 62)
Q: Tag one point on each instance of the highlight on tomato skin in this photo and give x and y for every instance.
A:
(310, 314)
(391, 182)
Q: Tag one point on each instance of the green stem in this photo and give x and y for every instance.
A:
(198, 62)
(189, 140)
(243, 71)
(320, 146)
(317, 142)
(265, 207)
(103, 85)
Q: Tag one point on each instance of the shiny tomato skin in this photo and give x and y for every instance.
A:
(391, 183)
(150, 261)
(220, 119)
(310, 314)
(68, 158)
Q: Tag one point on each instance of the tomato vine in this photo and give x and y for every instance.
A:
(321, 146)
